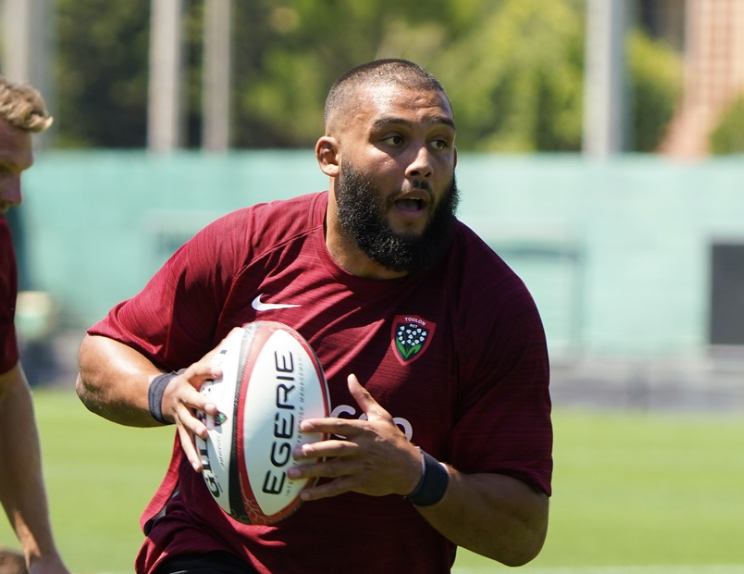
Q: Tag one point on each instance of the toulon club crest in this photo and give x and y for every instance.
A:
(411, 337)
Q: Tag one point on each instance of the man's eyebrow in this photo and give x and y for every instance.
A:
(386, 121)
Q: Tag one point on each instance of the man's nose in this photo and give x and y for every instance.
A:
(420, 165)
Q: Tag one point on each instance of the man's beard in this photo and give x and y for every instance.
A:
(362, 211)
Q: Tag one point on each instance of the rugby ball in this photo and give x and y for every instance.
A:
(271, 380)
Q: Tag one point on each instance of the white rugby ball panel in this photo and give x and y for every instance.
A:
(217, 453)
(285, 388)
(271, 381)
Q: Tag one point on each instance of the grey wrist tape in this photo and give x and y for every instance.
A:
(432, 484)
(155, 396)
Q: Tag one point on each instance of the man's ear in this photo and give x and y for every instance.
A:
(326, 152)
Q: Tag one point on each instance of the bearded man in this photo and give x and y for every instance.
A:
(433, 445)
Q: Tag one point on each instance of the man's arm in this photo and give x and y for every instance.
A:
(114, 382)
(491, 514)
(21, 481)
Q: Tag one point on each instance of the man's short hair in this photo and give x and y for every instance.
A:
(341, 96)
(22, 106)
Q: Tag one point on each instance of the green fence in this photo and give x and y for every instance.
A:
(616, 253)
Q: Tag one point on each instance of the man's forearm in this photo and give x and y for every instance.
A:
(493, 515)
(21, 482)
(114, 380)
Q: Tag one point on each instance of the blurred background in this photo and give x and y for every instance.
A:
(600, 146)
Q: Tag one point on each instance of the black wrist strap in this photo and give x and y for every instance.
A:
(155, 396)
(433, 482)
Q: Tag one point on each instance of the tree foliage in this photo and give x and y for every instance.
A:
(655, 73)
(727, 137)
(516, 80)
(512, 68)
(101, 72)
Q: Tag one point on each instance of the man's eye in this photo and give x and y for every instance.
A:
(395, 140)
(440, 144)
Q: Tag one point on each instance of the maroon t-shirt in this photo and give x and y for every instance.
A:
(8, 296)
(456, 355)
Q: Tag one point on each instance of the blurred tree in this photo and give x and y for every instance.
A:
(284, 68)
(656, 79)
(101, 72)
(728, 135)
(516, 80)
(513, 69)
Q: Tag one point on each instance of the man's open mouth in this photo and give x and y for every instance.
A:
(410, 204)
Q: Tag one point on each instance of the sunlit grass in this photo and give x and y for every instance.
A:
(643, 489)
(665, 492)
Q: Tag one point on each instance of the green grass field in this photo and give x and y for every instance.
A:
(634, 493)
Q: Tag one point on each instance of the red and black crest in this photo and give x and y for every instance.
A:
(411, 337)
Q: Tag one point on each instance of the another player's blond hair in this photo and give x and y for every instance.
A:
(22, 106)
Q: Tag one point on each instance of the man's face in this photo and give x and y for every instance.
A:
(16, 155)
(396, 191)
(362, 212)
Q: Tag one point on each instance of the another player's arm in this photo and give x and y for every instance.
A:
(21, 481)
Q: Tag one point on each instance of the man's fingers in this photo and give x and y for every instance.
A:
(364, 399)
(327, 489)
(186, 401)
(189, 450)
(201, 372)
(323, 449)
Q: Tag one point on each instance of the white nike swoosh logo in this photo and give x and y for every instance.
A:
(258, 305)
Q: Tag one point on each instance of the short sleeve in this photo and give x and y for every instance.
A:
(174, 319)
(503, 422)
